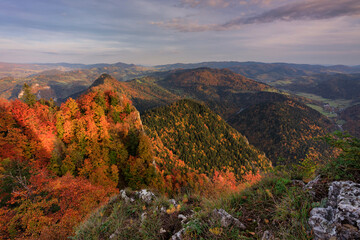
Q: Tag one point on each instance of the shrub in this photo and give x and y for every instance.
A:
(347, 165)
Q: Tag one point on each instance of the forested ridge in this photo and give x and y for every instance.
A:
(202, 139)
(59, 163)
(287, 131)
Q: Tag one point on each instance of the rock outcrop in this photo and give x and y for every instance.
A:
(145, 196)
(226, 219)
(340, 219)
(268, 236)
(310, 185)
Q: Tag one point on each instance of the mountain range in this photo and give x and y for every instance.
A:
(231, 96)
(193, 135)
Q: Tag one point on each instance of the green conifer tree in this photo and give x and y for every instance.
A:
(28, 97)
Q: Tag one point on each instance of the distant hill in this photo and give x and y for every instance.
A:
(284, 129)
(331, 86)
(63, 79)
(213, 87)
(143, 92)
(21, 70)
(202, 139)
(229, 95)
(267, 72)
(58, 76)
(224, 91)
(207, 77)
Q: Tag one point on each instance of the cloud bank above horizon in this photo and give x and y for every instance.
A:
(167, 31)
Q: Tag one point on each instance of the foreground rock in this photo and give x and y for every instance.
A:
(146, 196)
(267, 236)
(226, 219)
(310, 185)
(340, 219)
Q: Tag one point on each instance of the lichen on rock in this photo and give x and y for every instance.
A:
(341, 217)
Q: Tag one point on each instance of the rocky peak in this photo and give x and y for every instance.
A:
(104, 78)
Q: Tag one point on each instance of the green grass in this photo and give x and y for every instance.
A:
(322, 111)
(280, 83)
(123, 220)
(273, 90)
(340, 122)
(347, 165)
(274, 204)
(338, 103)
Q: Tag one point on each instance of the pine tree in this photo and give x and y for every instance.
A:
(28, 97)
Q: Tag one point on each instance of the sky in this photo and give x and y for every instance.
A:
(151, 32)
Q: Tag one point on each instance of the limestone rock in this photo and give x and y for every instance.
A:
(226, 219)
(178, 235)
(341, 218)
(114, 235)
(146, 196)
(143, 217)
(173, 202)
(322, 222)
(345, 196)
(310, 185)
(125, 197)
(267, 236)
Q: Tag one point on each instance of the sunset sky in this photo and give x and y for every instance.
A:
(153, 32)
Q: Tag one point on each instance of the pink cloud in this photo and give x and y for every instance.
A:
(303, 10)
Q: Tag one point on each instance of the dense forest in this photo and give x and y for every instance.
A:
(203, 140)
(331, 86)
(352, 117)
(58, 164)
(228, 94)
(287, 131)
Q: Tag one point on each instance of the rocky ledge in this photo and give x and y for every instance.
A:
(340, 218)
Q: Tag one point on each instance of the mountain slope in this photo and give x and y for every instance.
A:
(331, 86)
(352, 117)
(215, 89)
(284, 129)
(144, 93)
(57, 164)
(220, 78)
(202, 139)
(221, 89)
